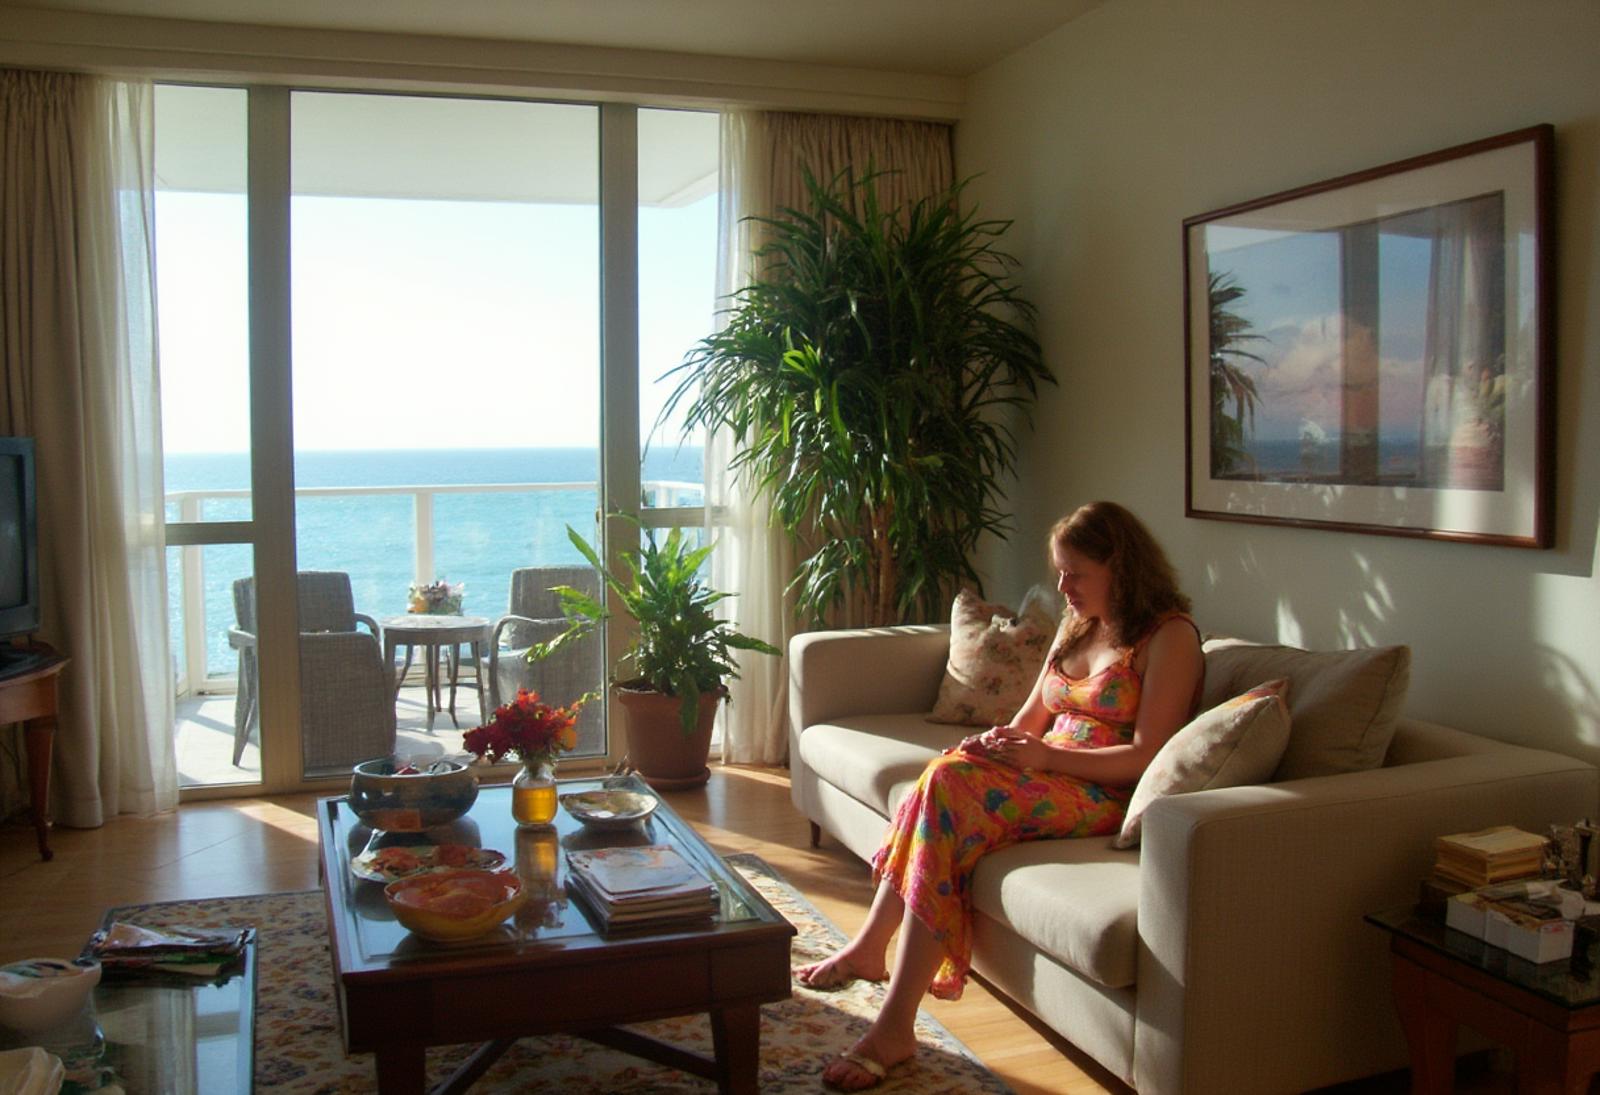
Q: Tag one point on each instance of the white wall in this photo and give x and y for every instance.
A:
(1102, 137)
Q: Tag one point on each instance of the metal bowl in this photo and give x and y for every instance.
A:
(437, 792)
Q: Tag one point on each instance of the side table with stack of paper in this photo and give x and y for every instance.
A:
(1488, 886)
(632, 887)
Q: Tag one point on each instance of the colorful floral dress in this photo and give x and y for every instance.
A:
(965, 806)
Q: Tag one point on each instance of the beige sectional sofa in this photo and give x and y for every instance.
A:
(1228, 952)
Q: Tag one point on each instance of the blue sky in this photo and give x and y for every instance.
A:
(421, 324)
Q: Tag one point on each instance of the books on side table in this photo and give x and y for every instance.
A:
(641, 886)
(1487, 885)
(1489, 856)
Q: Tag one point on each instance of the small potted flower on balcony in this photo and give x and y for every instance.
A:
(679, 662)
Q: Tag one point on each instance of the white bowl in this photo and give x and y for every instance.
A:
(612, 808)
(40, 993)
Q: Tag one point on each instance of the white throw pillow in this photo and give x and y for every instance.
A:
(1236, 743)
(995, 656)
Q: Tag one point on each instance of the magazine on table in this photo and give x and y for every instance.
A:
(639, 873)
(637, 886)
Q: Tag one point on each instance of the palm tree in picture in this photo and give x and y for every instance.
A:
(1229, 332)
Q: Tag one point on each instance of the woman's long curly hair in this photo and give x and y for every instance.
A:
(1144, 586)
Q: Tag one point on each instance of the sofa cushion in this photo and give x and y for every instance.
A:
(995, 656)
(1235, 743)
(1075, 900)
(1343, 704)
(875, 759)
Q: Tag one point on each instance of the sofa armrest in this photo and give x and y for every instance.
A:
(1256, 971)
(871, 671)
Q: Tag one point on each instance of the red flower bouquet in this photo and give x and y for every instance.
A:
(527, 728)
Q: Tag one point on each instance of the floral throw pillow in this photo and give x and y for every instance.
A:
(995, 656)
(1236, 743)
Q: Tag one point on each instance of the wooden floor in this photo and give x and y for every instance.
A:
(247, 846)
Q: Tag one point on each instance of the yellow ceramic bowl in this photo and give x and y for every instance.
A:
(451, 906)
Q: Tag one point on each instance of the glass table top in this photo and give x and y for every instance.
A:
(551, 917)
(1571, 983)
(153, 1037)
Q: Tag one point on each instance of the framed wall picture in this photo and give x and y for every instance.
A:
(1374, 352)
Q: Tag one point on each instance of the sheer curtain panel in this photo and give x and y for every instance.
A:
(764, 157)
(78, 373)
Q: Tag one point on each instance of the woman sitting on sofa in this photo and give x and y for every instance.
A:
(1123, 675)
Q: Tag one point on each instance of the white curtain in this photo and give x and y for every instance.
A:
(78, 373)
(763, 153)
(753, 559)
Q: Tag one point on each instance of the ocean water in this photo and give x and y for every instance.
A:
(479, 537)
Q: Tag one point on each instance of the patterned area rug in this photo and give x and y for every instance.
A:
(298, 1045)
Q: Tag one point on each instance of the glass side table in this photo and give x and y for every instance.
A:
(1547, 1014)
(152, 1037)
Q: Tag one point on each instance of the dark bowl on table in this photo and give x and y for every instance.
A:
(389, 794)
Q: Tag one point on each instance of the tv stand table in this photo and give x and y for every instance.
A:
(31, 697)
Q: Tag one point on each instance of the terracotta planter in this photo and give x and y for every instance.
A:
(663, 754)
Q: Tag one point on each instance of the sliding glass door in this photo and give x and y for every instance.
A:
(414, 344)
(446, 390)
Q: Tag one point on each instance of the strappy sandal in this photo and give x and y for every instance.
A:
(865, 1064)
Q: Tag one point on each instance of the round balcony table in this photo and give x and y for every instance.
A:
(435, 634)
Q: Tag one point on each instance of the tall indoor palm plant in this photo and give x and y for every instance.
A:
(869, 377)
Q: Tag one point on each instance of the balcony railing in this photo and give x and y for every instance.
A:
(489, 536)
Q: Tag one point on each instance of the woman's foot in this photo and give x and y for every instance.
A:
(866, 1063)
(839, 969)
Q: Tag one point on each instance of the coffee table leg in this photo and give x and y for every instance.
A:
(400, 1070)
(736, 1034)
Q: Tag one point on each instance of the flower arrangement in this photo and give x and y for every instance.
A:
(528, 728)
(439, 598)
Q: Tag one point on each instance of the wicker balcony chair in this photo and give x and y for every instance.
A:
(346, 701)
(326, 605)
(534, 616)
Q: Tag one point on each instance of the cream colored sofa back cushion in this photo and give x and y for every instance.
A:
(1343, 704)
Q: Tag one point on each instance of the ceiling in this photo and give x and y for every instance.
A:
(935, 37)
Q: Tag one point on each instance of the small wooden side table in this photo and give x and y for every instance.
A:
(31, 697)
(1547, 1014)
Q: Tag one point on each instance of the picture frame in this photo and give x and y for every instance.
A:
(1375, 353)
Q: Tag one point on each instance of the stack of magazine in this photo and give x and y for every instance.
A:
(641, 886)
(128, 948)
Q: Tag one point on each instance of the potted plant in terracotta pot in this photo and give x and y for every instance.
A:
(677, 666)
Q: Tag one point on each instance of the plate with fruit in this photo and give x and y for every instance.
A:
(399, 861)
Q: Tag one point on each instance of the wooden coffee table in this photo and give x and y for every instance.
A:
(548, 970)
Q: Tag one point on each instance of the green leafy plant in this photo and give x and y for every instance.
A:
(870, 378)
(1229, 333)
(680, 648)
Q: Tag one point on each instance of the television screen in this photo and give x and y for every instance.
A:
(13, 584)
(19, 545)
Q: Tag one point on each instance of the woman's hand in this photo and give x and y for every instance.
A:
(979, 745)
(1016, 748)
